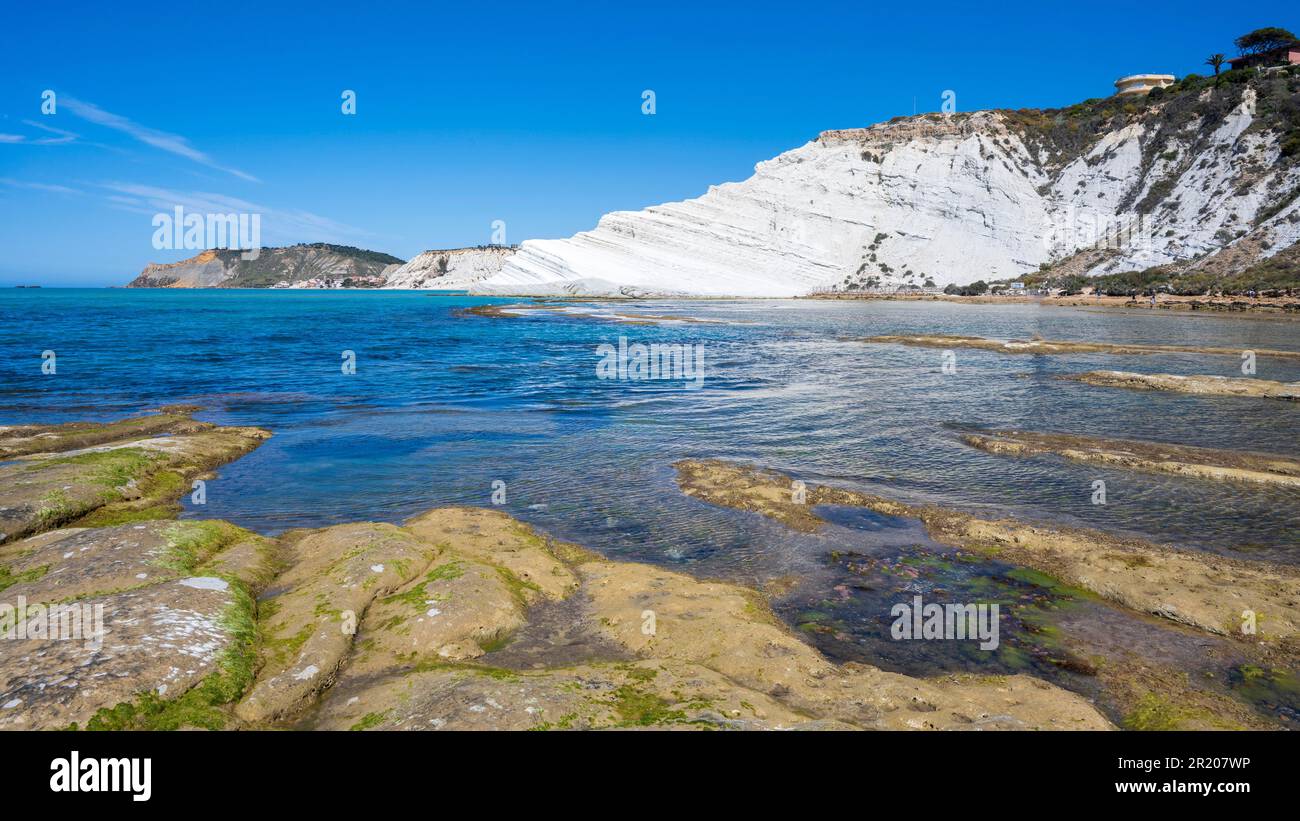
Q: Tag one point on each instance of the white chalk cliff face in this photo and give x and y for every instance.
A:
(936, 200)
(450, 270)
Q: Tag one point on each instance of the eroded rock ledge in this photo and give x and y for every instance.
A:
(372, 625)
(463, 618)
(141, 617)
(588, 312)
(1049, 346)
(1160, 457)
(101, 474)
(1197, 384)
(675, 652)
(1198, 589)
(439, 623)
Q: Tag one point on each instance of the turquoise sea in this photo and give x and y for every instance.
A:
(442, 406)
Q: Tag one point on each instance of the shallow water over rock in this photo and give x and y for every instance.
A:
(443, 406)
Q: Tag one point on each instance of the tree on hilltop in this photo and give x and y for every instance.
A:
(1265, 39)
(1216, 61)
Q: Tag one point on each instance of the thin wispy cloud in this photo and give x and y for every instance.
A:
(289, 225)
(38, 186)
(61, 137)
(162, 140)
(285, 225)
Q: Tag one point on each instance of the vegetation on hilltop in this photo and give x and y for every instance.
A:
(1263, 40)
(276, 264)
(1179, 121)
(1276, 276)
(359, 254)
(1059, 136)
(977, 288)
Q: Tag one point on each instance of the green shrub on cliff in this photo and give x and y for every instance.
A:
(976, 288)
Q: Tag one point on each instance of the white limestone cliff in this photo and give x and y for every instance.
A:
(453, 269)
(934, 199)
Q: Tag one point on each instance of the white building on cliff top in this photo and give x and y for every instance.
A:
(1136, 85)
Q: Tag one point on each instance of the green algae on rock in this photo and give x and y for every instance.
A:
(375, 626)
(20, 440)
(1198, 589)
(88, 562)
(378, 626)
(117, 481)
(333, 576)
(158, 641)
(139, 622)
(717, 657)
(149, 626)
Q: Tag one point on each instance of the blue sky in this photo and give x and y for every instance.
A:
(528, 113)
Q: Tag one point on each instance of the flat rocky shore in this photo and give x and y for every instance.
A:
(461, 618)
(465, 618)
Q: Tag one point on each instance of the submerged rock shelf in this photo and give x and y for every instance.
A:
(373, 625)
(1159, 457)
(466, 618)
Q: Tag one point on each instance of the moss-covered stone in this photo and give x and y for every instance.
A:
(1195, 588)
(116, 481)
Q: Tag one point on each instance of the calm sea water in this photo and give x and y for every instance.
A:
(441, 407)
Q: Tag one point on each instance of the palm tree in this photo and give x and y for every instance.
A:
(1216, 60)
